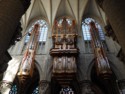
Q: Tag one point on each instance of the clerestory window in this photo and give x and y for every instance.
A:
(42, 31)
(86, 28)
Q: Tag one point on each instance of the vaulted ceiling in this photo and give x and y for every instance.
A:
(51, 9)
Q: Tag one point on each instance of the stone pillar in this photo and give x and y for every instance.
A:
(10, 14)
(115, 12)
(44, 87)
(5, 87)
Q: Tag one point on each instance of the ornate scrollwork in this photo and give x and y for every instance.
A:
(64, 51)
(64, 65)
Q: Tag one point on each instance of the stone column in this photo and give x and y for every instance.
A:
(10, 14)
(44, 87)
(115, 12)
(5, 87)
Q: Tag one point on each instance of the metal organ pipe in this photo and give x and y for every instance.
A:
(27, 63)
(102, 63)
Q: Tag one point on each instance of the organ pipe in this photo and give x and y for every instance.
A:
(27, 63)
(102, 63)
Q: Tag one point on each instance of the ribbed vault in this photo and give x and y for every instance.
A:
(51, 9)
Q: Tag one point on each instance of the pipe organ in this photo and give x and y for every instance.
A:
(64, 52)
(27, 63)
(102, 63)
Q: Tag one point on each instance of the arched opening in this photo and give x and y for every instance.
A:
(74, 87)
(30, 88)
(42, 35)
(106, 86)
(33, 86)
(87, 36)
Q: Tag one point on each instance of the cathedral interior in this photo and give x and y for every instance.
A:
(62, 46)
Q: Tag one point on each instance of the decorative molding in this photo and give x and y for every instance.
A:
(64, 51)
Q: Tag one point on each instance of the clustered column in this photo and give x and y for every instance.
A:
(10, 13)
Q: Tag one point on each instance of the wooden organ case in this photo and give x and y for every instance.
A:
(28, 62)
(64, 52)
(102, 64)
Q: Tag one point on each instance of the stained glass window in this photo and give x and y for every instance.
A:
(86, 28)
(43, 30)
(36, 91)
(13, 90)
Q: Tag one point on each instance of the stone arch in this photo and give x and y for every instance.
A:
(96, 18)
(35, 79)
(90, 69)
(36, 19)
(38, 68)
(116, 65)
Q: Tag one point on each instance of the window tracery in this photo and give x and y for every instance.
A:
(43, 31)
(42, 35)
(86, 28)
(87, 36)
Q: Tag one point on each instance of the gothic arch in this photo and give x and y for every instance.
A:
(117, 69)
(36, 19)
(34, 81)
(91, 64)
(96, 18)
(38, 68)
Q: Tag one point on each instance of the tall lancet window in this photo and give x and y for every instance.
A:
(42, 33)
(43, 30)
(87, 35)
